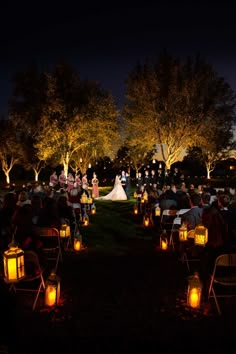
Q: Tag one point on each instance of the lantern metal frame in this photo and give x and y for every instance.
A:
(13, 255)
(52, 283)
(194, 291)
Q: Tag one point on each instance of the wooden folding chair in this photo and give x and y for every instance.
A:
(51, 244)
(223, 278)
(33, 280)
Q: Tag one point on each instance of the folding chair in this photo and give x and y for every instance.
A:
(167, 218)
(33, 275)
(51, 244)
(223, 278)
(190, 253)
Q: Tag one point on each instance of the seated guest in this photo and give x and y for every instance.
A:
(193, 217)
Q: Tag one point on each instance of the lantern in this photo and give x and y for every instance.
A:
(84, 198)
(135, 195)
(85, 219)
(14, 267)
(163, 241)
(142, 200)
(52, 290)
(200, 235)
(77, 241)
(65, 231)
(146, 220)
(93, 209)
(157, 211)
(90, 200)
(135, 209)
(183, 233)
(145, 196)
(194, 291)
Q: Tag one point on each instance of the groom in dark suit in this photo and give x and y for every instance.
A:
(123, 180)
(127, 188)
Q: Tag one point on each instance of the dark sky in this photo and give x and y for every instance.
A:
(104, 41)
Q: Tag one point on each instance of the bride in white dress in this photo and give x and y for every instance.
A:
(117, 192)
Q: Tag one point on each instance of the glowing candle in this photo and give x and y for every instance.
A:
(163, 245)
(77, 245)
(194, 298)
(12, 269)
(51, 296)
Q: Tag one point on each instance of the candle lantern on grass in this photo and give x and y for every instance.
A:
(65, 231)
(145, 196)
(183, 233)
(77, 241)
(135, 209)
(157, 211)
(85, 219)
(93, 209)
(146, 220)
(200, 235)
(164, 241)
(13, 261)
(194, 291)
(52, 290)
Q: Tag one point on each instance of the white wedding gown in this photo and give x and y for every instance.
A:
(117, 192)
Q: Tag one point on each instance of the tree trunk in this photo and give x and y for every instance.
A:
(7, 174)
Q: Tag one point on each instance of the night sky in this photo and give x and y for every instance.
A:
(104, 41)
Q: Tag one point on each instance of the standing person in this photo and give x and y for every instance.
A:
(53, 181)
(70, 182)
(146, 180)
(123, 180)
(117, 192)
(62, 179)
(153, 180)
(85, 181)
(127, 189)
(78, 182)
(95, 190)
(139, 182)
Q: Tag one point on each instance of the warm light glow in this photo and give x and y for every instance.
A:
(194, 298)
(157, 211)
(13, 259)
(51, 293)
(194, 291)
(164, 244)
(135, 209)
(77, 245)
(65, 231)
(146, 220)
(200, 235)
(183, 232)
(93, 209)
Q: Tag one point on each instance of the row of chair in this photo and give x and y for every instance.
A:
(223, 276)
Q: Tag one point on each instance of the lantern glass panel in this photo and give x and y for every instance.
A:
(183, 232)
(52, 292)
(13, 260)
(200, 235)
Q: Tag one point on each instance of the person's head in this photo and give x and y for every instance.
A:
(205, 198)
(195, 199)
(223, 200)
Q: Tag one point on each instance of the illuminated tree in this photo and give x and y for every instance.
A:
(169, 102)
(10, 149)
